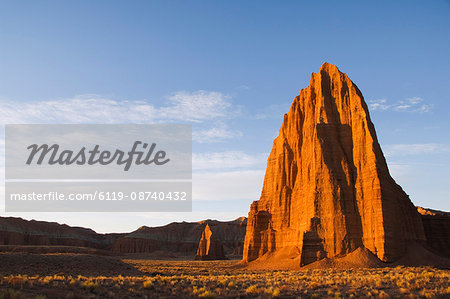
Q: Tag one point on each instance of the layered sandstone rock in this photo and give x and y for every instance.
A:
(182, 238)
(172, 240)
(17, 231)
(209, 248)
(437, 230)
(327, 189)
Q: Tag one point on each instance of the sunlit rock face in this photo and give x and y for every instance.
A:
(209, 248)
(327, 188)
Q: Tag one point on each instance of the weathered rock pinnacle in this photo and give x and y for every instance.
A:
(327, 188)
(209, 248)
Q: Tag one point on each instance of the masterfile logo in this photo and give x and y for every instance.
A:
(98, 167)
(94, 156)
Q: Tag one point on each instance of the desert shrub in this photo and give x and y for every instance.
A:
(273, 292)
(253, 289)
(196, 290)
(428, 294)
(148, 284)
(202, 292)
(206, 294)
(73, 282)
(46, 279)
(89, 285)
(223, 281)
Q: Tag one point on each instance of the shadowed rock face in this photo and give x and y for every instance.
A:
(174, 239)
(17, 231)
(437, 230)
(209, 248)
(327, 188)
(183, 238)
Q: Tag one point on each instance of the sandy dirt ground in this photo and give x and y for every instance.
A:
(75, 275)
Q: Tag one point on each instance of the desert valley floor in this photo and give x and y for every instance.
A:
(81, 275)
(331, 222)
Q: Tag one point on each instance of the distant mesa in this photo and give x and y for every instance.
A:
(17, 231)
(182, 239)
(327, 189)
(175, 240)
(209, 248)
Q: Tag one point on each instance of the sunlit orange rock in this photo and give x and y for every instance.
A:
(327, 188)
(209, 248)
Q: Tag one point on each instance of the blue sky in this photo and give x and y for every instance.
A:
(231, 68)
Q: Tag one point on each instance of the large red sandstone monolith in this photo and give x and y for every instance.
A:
(209, 248)
(327, 188)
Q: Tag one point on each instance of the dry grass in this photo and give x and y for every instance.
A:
(209, 279)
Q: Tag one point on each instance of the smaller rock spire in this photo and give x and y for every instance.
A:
(209, 248)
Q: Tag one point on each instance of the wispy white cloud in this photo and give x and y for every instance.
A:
(380, 104)
(272, 111)
(415, 104)
(229, 175)
(218, 133)
(227, 160)
(198, 106)
(415, 149)
(208, 111)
